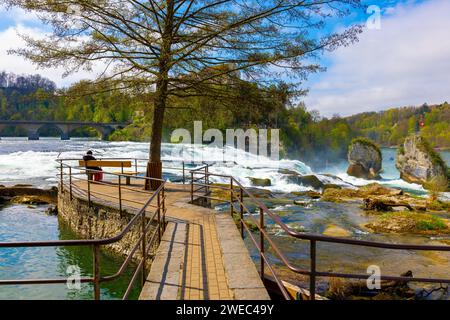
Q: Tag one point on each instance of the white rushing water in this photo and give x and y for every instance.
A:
(33, 162)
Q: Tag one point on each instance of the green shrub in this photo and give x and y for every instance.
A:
(431, 224)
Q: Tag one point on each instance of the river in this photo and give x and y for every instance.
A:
(32, 162)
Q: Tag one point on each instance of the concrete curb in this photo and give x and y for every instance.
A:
(163, 281)
(243, 278)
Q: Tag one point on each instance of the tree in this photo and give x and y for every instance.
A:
(184, 47)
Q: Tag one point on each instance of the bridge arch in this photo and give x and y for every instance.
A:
(97, 128)
(65, 128)
(55, 127)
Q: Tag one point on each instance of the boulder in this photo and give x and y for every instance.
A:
(30, 195)
(419, 163)
(307, 181)
(370, 190)
(335, 231)
(383, 206)
(52, 211)
(260, 182)
(365, 159)
(302, 203)
(30, 200)
(309, 193)
(288, 172)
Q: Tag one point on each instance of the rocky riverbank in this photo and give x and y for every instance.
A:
(388, 210)
(30, 196)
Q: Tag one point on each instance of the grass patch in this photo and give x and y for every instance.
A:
(416, 221)
(431, 224)
(438, 205)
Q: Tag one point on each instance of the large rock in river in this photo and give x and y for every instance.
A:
(260, 182)
(419, 163)
(364, 158)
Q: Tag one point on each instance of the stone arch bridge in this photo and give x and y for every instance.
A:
(64, 127)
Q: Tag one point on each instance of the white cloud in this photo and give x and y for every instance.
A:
(18, 15)
(407, 62)
(10, 39)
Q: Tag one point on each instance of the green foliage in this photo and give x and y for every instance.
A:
(438, 205)
(433, 223)
(391, 127)
(417, 221)
(36, 98)
(304, 135)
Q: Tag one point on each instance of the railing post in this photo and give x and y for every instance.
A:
(136, 166)
(231, 197)
(120, 194)
(144, 249)
(261, 241)
(207, 179)
(61, 178)
(96, 272)
(89, 188)
(192, 187)
(164, 208)
(159, 217)
(70, 183)
(184, 177)
(312, 276)
(206, 175)
(242, 212)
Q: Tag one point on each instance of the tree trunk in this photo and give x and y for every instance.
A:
(154, 166)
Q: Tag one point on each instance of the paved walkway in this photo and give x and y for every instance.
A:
(191, 263)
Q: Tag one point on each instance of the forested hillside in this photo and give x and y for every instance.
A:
(305, 134)
(390, 127)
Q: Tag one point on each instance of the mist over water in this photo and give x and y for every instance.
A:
(33, 162)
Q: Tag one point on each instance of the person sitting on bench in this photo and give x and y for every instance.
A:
(98, 176)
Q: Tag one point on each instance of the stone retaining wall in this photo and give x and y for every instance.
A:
(99, 221)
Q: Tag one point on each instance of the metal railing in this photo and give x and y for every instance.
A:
(140, 165)
(201, 178)
(149, 221)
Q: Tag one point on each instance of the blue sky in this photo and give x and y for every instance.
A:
(405, 62)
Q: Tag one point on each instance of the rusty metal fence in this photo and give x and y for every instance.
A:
(202, 187)
(149, 220)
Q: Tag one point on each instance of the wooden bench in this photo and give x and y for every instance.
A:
(110, 164)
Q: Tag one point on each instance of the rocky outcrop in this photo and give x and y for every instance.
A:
(364, 159)
(260, 182)
(419, 163)
(30, 200)
(370, 190)
(29, 195)
(335, 231)
(410, 222)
